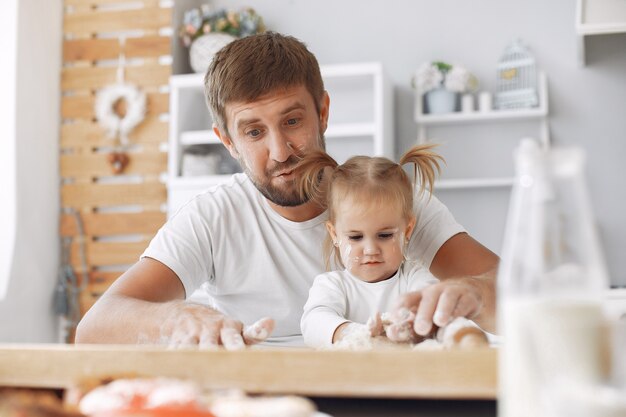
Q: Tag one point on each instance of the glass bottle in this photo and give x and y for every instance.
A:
(550, 285)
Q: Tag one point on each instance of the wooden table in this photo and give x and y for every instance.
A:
(336, 379)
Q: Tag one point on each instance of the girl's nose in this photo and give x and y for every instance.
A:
(371, 247)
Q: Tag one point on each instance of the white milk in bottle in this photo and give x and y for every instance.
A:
(550, 283)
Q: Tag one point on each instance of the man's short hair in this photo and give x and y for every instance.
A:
(252, 67)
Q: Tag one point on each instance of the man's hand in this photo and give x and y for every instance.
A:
(197, 325)
(467, 271)
(442, 302)
(146, 305)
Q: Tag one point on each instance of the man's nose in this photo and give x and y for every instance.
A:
(280, 147)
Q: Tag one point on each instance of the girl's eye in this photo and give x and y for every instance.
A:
(292, 122)
(355, 238)
(385, 236)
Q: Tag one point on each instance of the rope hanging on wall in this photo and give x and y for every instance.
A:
(119, 127)
(68, 290)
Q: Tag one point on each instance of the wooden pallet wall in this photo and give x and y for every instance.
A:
(122, 212)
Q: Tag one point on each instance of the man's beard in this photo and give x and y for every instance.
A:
(287, 196)
(284, 197)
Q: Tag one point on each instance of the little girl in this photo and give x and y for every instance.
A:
(371, 218)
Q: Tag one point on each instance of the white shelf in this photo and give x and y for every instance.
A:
(538, 114)
(601, 29)
(350, 130)
(451, 184)
(199, 137)
(425, 119)
(182, 189)
(361, 121)
(187, 81)
(615, 302)
(598, 17)
(480, 117)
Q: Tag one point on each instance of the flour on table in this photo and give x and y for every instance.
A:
(359, 336)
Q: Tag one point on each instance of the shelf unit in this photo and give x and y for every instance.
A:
(361, 122)
(598, 17)
(539, 114)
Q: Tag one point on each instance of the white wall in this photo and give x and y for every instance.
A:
(8, 44)
(26, 311)
(588, 105)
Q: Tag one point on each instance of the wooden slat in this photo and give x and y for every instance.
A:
(158, 103)
(78, 107)
(89, 78)
(100, 49)
(84, 22)
(394, 373)
(90, 134)
(89, 24)
(82, 106)
(109, 224)
(99, 281)
(109, 253)
(97, 165)
(93, 3)
(94, 195)
(148, 46)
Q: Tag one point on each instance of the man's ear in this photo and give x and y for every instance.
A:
(331, 231)
(225, 139)
(409, 228)
(324, 111)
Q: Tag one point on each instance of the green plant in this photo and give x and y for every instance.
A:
(442, 66)
(436, 74)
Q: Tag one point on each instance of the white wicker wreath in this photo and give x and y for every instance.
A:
(111, 121)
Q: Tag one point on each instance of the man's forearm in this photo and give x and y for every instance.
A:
(120, 319)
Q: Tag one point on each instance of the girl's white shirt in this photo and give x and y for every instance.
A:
(338, 297)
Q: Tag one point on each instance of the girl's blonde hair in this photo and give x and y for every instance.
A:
(375, 180)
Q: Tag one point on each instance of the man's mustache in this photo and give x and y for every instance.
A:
(289, 164)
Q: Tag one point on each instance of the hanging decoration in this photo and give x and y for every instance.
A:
(110, 119)
(516, 83)
(118, 126)
(118, 161)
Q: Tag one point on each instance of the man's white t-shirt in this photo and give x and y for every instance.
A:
(337, 297)
(253, 263)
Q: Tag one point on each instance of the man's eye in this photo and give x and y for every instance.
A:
(355, 238)
(385, 236)
(253, 133)
(292, 122)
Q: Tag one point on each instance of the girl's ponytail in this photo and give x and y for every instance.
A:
(309, 172)
(425, 165)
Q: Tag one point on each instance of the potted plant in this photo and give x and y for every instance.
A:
(205, 31)
(441, 83)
